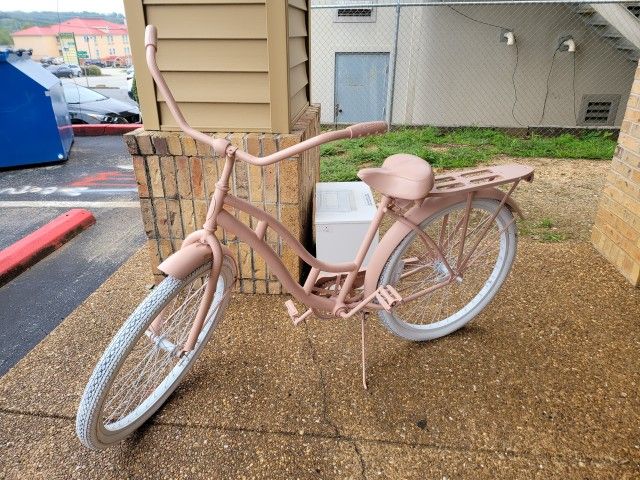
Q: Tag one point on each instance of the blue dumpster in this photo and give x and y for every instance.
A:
(34, 120)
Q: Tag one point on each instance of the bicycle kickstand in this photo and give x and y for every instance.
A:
(365, 316)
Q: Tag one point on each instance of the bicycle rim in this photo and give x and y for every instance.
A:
(138, 371)
(412, 268)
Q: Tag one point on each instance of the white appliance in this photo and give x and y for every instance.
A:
(343, 213)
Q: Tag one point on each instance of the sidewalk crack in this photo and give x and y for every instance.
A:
(323, 383)
(325, 405)
(12, 411)
(363, 466)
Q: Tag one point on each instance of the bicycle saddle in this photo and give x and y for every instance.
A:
(401, 176)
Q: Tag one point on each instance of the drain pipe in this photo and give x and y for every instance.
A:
(393, 68)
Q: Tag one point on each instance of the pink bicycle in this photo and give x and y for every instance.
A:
(444, 258)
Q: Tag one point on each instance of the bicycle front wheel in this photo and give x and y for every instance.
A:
(139, 369)
(413, 268)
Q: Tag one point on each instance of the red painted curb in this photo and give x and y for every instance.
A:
(27, 251)
(93, 130)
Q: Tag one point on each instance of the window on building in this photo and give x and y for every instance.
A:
(86, 39)
(110, 39)
(126, 50)
(125, 38)
(355, 15)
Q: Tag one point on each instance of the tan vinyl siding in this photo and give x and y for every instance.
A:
(213, 55)
(298, 57)
(297, 51)
(299, 101)
(299, 4)
(298, 77)
(208, 21)
(297, 22)
(220, 116)
(214, 87)
(233, 65)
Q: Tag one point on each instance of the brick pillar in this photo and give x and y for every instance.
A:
(176, 177)
(616, 233)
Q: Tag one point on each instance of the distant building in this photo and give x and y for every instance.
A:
(100, 39)
(454, 70)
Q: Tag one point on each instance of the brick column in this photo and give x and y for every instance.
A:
(176, 177)
(616, 233)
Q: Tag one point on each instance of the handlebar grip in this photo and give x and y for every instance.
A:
(367, 128)
(151, 36)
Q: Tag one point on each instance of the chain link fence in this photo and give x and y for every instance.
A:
(521, 65)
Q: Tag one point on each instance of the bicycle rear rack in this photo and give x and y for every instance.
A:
(480, 178)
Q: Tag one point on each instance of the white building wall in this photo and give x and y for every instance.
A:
(452, 71)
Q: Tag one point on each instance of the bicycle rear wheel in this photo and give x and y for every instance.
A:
(139, 370)
(412, 268)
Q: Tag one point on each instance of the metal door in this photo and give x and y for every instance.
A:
(361, 87)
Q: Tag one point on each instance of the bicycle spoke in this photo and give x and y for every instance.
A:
(447, 230)
(149, 363)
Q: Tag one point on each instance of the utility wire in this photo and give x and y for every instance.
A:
(575, 115)
(515, 68)
(515, 89)
(546, 95)
(475, 20)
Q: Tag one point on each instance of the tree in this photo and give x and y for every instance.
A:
(5, 37)
(134, 90)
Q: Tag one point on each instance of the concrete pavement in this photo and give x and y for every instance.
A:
(543, 384)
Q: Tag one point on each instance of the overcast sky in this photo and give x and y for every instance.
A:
(98, 6)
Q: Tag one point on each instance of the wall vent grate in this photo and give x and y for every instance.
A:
(355, 12)
(598, 110)
(355, 15)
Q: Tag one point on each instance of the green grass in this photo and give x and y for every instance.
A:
(464, 147)
(543, 230)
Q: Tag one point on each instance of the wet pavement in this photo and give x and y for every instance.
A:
(542, 384)
(98, 177)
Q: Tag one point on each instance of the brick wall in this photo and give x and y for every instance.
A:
(176, 177)
(616, 233)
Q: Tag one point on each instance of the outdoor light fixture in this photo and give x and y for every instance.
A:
(507, 36)
(567, 44)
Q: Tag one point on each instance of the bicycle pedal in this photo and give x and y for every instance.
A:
(296, 318)
(388, 297)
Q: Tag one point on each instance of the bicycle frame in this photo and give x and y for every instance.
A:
(343, 300)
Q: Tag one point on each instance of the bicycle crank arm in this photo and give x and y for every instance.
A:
(296, 318)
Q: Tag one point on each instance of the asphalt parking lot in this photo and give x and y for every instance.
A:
(110, 78)
(98, 177)
(113, 83)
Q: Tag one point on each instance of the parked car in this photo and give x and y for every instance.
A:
(130, 73)
(115, 61)
(97, 63)
(77, 71)
(88, 106)
(61, 71)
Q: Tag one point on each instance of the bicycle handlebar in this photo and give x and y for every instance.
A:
(367, 128)
(223, 147)
(151, 36)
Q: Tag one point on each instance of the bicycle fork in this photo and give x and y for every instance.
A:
(208, 237)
